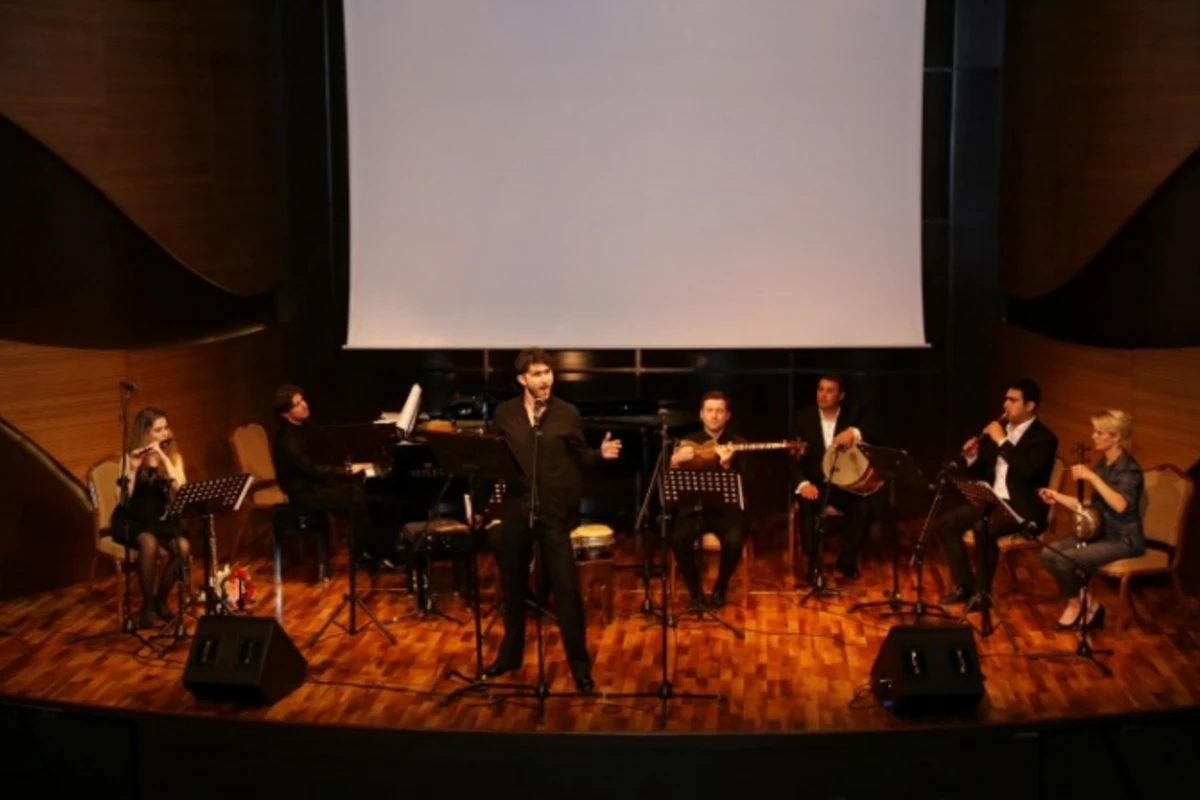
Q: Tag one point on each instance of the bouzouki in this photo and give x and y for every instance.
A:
(705, 455)
(1087, 523)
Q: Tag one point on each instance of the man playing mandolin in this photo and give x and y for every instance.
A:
(711, 446)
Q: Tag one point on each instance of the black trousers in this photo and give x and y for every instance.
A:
(514, 553)
(728, 527)
(950, 529)
(859, 511)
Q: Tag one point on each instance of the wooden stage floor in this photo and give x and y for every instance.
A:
(798, 668)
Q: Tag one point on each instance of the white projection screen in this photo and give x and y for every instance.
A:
(634, 173)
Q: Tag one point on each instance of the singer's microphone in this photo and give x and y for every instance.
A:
(539, 408)
(129, 386)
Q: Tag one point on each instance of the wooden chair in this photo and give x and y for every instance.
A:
(1015, 543)
(1166, 504)
(794, 533)
(710, 545)
(252, 454)
(102, 487)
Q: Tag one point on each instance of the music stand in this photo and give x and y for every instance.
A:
(204, 499)
(488, 457)
(352, 600)
(704, 490)
(980, 495)
(893, 465)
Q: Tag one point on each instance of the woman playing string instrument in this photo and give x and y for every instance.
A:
(154, 472)
(1117, 484)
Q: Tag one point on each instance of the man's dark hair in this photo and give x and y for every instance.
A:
(530, 356)
(283, 398)
(1029, 390)
(715, 394)
(834, 377)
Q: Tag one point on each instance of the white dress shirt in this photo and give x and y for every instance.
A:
(1013, 434)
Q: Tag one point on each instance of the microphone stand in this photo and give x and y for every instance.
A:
(647, 608)
(919, 608)
(1084, 648)
(128, 626)
(665, 691)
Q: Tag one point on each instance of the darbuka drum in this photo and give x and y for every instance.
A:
(592, 542)
(854, 472)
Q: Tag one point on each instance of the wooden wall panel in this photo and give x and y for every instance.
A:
(1160, 388)
(67, 402)
(1102, 104)
(171, 109)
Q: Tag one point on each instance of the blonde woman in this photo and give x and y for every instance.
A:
(154, 472)
(1117, 484)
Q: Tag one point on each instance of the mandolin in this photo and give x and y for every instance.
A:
(1088, 522)
(706, 454)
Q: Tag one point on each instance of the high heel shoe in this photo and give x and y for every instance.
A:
(1096, 620)
(1063, 626)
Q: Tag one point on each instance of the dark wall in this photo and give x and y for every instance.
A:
(921, 397)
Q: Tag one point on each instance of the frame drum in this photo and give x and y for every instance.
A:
(446, 536)
(854, 472)
(592, 543)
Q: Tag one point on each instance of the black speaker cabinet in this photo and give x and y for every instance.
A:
(246, 660)
(928, 669)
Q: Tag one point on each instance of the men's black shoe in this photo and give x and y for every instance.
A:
(585, 684)
(959, 595)
(848, 571)
(717, 599)
(694, 606)
(498, 668)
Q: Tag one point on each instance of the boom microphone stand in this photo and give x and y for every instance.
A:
(128, 625)
(491, 456)
(665, 691)
(648, 608)
(1084, 648)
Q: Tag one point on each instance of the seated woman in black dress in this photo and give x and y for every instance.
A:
(154, 473)
(1117, 485)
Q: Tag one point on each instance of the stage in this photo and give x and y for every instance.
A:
(799, 670)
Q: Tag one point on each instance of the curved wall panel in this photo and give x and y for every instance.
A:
(82, 274)
(171, 109)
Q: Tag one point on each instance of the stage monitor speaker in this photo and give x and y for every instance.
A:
(927, 669)
(245, 660)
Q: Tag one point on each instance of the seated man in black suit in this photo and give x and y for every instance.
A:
(314, 487)
(831, 422)
(727, 524)
(1016, 460)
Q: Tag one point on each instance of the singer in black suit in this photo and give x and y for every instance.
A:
(535, 422)
(1016, 460)
(832, 422)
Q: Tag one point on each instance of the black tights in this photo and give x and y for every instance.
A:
(149, 546)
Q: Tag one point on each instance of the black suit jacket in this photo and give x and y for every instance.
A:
(562, 453)
(807, 426)
(1030, 463)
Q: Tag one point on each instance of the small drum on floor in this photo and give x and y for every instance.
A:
(854, 472)
(593, 543)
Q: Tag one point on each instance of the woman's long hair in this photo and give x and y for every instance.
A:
(139, 434)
